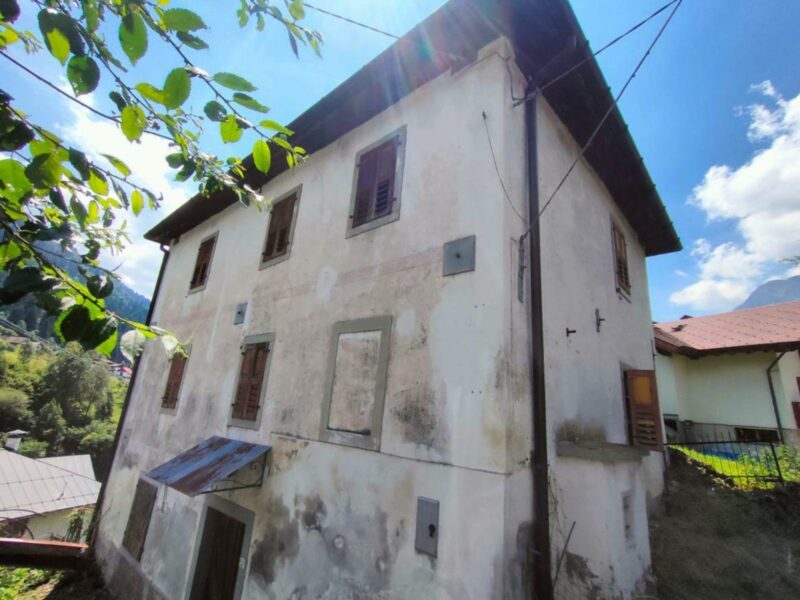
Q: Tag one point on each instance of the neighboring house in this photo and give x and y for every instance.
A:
(37, 496)
(733, 376)
(354, 418)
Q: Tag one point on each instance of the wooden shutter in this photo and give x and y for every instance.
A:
(251, 378)
(375, 183)
(280, 226)
(139, 519)
(644, 413)
(174, 379)
(621, 260)
(796, 411)
(202, 264)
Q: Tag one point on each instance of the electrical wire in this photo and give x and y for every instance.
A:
(351, 21)
(497, 169)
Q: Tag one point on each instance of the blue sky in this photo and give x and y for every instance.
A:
(725, 156)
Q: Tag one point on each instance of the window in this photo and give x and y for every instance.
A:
(356, 382)
(751, 434)
(177, 365)
(203, 263)
(280, 230)
(139, 518)
(378, 179)
(621, 260)
(246, 408)
(796, 412)
(644, 414)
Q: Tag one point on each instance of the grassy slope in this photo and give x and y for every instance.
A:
(715, 543)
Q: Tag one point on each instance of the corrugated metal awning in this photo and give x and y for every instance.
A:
(200, 470)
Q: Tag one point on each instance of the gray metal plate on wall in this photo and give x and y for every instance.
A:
(459, 256)
(238, 316)
(427, 535)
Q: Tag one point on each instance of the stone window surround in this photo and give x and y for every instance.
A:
(297, 192)
(174, 411)
(200, 288)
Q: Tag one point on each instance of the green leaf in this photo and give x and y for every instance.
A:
(23, 281)
(275, 126)
(117, 98)
(181, 19)
(79, 210)
(296, 10)
(44, 170)
(150, 92)
(91, 14)
(131, 344)
(234, 82)
(133, 36)
(16, 184)
(14, 135)
(215, 111)
(262, 156)
(192, 41)
(43, 146)
(118, 165)
(176, 88)
(137, 202)
(100, 286)
(52, 20)
(229, 130)
(175, 159)
(57, 198)
(249, 102)
(80, 162)
(97, 182)
(58, 44)
(83, 74)
(133, 122)
(94, 212)
(9, 10)
(110, 343)
(8, 252)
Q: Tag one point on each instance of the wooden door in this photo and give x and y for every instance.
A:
(217, 570)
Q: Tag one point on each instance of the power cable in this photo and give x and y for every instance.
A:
(497, 169)
(351, 21)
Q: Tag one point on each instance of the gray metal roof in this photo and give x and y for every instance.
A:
(80, 464)
(29, 487)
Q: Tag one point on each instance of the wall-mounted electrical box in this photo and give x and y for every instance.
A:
(427, 536)
(238, 316)
(459, 256)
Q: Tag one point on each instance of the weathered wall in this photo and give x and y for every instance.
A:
(584, 380)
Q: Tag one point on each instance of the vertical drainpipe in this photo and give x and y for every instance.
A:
(542, 573)
(92, 535)
(774, 398)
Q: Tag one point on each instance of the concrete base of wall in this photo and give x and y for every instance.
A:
(123, 575)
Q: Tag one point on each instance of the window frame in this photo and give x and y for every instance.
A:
(347, 438)
(632, 412)
(620, 285)
(141, 481)
(269, 338)
(297, 193)
(202, 286)
(174, 410)
(394, 215)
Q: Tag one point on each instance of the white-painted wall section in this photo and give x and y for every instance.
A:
(333, 521)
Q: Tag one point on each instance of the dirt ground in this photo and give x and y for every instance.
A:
(716, 543)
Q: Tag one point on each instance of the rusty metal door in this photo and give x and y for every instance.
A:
(218, 560)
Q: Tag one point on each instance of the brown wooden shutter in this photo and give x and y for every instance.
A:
(280, 226)
(644, 413)
(202, 264)
(139, 519)
(384, 182)
(251, 378)
(174, 379)
(621, 260)
(365, 188)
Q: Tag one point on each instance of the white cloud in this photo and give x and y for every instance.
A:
(138, 264)
(762, 199)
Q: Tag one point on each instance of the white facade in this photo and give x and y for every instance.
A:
(333, 521)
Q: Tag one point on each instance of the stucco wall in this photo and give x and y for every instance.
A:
(333, 521)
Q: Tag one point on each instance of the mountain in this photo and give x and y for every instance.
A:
(122, 301)
(774, 292)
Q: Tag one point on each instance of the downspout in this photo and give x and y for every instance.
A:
(542, 572)
(92, 531)
(772, 395)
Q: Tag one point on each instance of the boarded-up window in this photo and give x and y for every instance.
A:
(139, 518)
(251, 381)
(176, 368)
(354, 381)
(280, 229)
(375, 185)
(203, 263)
(644, 413)
(621, 260)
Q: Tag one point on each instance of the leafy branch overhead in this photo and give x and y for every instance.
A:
(54, 191)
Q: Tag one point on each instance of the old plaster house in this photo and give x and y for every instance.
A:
(372, 364)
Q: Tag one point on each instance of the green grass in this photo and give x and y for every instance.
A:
(749, 472)
(14, 582)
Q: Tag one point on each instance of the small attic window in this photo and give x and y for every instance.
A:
(202, 264)
(621, 260)
(280, 231)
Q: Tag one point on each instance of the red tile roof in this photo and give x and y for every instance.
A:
(774, 327)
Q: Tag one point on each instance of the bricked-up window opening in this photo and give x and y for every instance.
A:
(375, 187)
(280, 229)
(202, 264)
(621, 260)
(176, 368)
(251, 380)
(139, 518)
(644, 413)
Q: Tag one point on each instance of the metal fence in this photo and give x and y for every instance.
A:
(741, 463)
